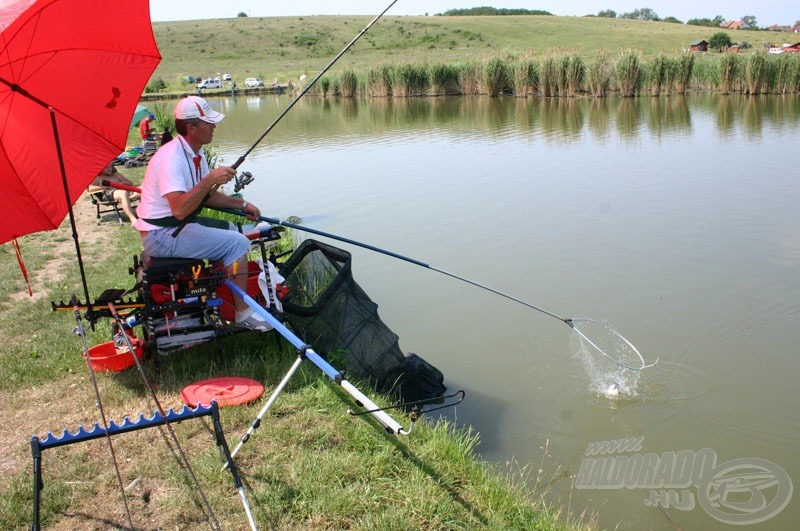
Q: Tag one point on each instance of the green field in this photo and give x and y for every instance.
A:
(288, 47)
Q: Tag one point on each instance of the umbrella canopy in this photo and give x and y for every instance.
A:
(71, 74)
(140, 112)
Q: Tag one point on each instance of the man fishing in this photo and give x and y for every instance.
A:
(176, 184)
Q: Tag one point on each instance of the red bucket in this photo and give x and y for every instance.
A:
(227, 310)
(107, 357)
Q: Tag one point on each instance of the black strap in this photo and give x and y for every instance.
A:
(172, 221)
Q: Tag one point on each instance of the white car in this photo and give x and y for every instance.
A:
(210, 83)
(253, 82)
(226, 77)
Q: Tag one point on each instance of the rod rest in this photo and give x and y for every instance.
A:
(267, 234)
(96, 431)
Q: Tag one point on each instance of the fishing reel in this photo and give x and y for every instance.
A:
(242, 180)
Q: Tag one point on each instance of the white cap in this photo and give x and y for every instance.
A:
(196, 107)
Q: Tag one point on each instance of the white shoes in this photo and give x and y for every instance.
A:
(253, 321)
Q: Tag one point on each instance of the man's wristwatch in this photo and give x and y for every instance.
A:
(244, 205)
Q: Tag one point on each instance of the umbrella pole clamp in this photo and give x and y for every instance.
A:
(127, 425)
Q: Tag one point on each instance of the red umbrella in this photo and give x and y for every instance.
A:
(71, 74)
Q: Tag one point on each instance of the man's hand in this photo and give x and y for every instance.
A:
(219, 176)
(252, 212)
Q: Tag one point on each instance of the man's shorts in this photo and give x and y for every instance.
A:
(197, 241)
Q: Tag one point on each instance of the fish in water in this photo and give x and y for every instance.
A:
(613, 390)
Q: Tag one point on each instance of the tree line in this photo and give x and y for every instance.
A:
(645, 13)
(491, 11)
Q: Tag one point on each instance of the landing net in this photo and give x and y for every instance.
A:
(611, 361)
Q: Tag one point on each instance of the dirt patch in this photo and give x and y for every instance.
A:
(62, 247)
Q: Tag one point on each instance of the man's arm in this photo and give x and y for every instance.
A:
(183, 204)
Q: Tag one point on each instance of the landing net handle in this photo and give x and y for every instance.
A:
(391, 425)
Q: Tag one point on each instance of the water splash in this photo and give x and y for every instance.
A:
(606, 378)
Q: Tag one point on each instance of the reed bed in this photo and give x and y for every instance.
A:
(525, 76)
(628, 72)
(348, 84)
(469, 77)
(411, 80)
(755, 72)
(598, 75)
(568, 74)
(496, 78)
(656, 75)
(548, 78)
(728, 68)
(444, 79)
(787, 74)
(574, 74)
(380, 81)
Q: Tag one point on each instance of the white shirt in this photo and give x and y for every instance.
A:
(171, 169)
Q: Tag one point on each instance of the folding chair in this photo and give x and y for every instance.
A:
(149, 147)
(105, 203)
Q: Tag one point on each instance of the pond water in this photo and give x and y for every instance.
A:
(673, 219)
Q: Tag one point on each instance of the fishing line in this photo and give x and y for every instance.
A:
(183, 460)
(82, 332)
(615, 347)
(311, 83)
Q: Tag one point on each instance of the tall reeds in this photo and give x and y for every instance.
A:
(670, 73)
(574, 75)
(470, 78)
(348, 84)
(728, 71)
(525, 76)
(567, 74)
(657, 74)
(324, 86)
(787, 74)
(755, 72)
(598, 75)
(683, 65)
(496, 77)
(412, 80)
(628, 73)
(444, 78)
(549, 76)
(380, 81)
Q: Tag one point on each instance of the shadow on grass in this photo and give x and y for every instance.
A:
(425, 467)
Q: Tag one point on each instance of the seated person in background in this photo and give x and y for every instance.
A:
(166, 136)
(145, 131)
(123, 197)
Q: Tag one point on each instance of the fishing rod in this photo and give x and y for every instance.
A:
(580, 325)
(248, 177)
(181, 457)
(86, 356)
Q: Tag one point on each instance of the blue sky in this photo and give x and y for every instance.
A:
(767, 12)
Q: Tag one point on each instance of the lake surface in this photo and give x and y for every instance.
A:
(675, 220)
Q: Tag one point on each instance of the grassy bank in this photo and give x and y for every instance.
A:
(521, 55)
(309, 466)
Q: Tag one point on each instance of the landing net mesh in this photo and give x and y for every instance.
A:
(333, 314)
(613, 364)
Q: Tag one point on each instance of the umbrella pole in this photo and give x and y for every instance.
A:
(71, 214)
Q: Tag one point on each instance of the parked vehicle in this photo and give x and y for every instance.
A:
(251, 82)
(226, 77)
(210, 83)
